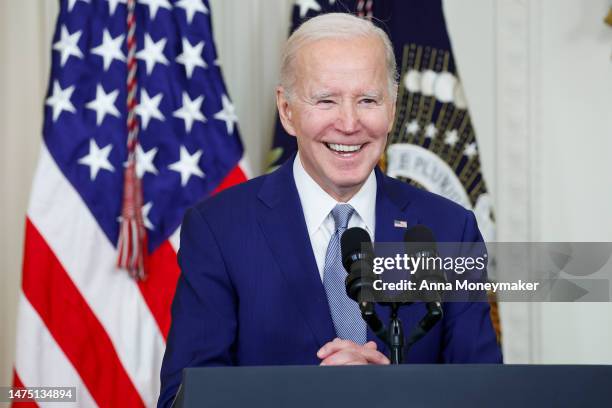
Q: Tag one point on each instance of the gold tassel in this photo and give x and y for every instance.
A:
(608, 18)
(382, 162)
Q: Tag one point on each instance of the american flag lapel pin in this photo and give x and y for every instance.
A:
(400, 224)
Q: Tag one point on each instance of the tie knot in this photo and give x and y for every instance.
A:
(342, 214)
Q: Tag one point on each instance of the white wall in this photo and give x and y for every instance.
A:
(538, 79)
(24, 63)
(538, 76)
(575, 82)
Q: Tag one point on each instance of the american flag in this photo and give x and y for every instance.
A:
(83, 321)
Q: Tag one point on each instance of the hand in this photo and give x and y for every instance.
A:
(347, 352)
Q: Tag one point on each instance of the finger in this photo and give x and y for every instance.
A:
(367, 352)
(335, 346)
(374, 356)
(371, 345)
(345, 357)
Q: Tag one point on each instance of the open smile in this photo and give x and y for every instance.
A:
(344, 149)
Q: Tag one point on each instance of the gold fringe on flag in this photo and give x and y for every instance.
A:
(608, 18)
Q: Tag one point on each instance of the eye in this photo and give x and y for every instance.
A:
(368, 101)
(325, 102)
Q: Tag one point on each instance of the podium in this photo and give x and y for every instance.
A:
(397, 386)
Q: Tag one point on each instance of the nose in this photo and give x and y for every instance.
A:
(348, 118)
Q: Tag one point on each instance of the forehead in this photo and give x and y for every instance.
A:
(345, 62)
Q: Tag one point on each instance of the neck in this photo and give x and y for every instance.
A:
(342, 195)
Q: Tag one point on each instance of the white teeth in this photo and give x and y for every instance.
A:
(343, 148)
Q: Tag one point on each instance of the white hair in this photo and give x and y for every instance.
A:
(334, 26)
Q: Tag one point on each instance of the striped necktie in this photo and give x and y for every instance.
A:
(344, 311)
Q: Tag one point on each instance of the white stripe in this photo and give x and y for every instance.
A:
(245, 166)
(88, 257)
(175, 239)
(41, 362)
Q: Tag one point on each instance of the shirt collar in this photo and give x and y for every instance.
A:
(317, 204)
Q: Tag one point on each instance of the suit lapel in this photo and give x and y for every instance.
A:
(282, 221)
(392, 204)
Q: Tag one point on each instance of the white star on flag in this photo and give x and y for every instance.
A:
(112, 5)
(144, 161)
(154, 5)
(413, 127)
(452, 137)
(110, 49)
(190, 111)
(191, 7)
(67, 45)
(60, 100)
(146, 209)
(104, 104)
(431, 131)
(470, 150)
(306, 5)
(97, 159)
(228, 114)
(71, 3)
(191, 57)
(152, 53)
(188, 165)
(148, 108)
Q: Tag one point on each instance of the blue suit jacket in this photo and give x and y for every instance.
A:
(250, 291)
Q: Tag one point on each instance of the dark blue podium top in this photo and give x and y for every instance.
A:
(405, 385)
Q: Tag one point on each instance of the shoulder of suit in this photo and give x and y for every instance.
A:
(239, 196)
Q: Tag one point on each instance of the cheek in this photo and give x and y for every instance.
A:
(377, 125)
(313, 124)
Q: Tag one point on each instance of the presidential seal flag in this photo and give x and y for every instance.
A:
(138, 126)
(433, 144)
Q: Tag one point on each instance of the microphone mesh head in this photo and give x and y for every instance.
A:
(351, 245)
(419, 239)
(352, 239)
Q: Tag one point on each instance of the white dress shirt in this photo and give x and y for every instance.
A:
(317, 206)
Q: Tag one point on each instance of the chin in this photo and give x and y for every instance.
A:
(350, 181)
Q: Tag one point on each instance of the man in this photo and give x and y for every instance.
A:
(261, 280)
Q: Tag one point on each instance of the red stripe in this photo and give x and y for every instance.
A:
(159, 285)
(73, 325)
(163, 270)
(17, 383)
(235, 176)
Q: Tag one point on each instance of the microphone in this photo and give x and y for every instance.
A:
(420, 242)
(357, 258)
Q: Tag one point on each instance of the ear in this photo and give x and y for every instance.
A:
(285, 112)
(392, 118)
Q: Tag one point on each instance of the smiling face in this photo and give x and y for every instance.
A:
(340, 111)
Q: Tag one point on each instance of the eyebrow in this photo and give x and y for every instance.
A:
(327, 94)
(323, 95)
(372, 94)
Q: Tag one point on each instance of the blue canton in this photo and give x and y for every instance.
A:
(188, 134)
